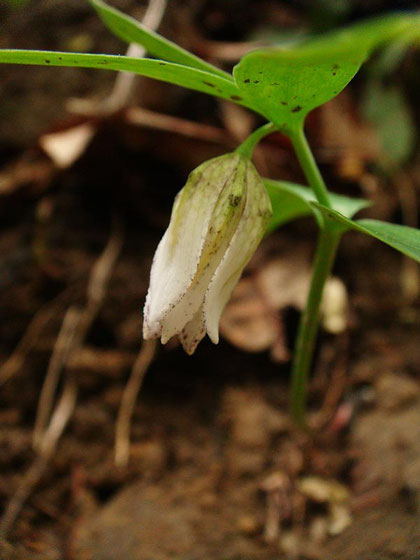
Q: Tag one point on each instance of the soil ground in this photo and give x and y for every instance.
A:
(216, 468)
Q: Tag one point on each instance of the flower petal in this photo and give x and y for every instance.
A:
(246, 239)
(227, 213)
(178, 255)
(193, 332)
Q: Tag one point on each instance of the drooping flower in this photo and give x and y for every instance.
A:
(217, 222)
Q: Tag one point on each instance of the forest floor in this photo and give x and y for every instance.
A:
(216, 468)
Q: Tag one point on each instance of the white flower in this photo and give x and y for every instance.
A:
(217, 222)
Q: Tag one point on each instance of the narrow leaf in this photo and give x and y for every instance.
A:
(291, 201)
(132, 31)
(403, 238)
(166, 71)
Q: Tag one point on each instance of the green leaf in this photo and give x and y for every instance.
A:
(286, 83)
(132, 31)
(286, 204)
(403, 238)
(286, 88)
(291, 201)
(166, 71)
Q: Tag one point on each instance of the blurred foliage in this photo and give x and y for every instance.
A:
(386, 107)
(16, 3)
(384, 104)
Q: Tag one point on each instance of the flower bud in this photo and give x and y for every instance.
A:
(217, 222)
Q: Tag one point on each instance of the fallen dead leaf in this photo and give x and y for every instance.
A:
(334, 308)
(335, 495)
(250, 323)
(252, 320)
(66, 146)
(284, 281)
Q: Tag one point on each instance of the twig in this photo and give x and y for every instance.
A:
(59, 418)
(128, 401)
(15, 361)
(75, 326)
(336, 385)
(277, 487)
(50, 439)
(125, 81)
(228, 51)
(101, 271)
(152, 119)
(62, 348)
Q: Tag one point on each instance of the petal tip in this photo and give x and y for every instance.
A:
(213, 335)
(164, 338)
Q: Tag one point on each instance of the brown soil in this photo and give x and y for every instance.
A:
(216, 468)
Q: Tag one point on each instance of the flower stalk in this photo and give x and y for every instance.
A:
(248, 145)
(309, 166)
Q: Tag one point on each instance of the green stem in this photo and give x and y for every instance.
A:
(329, 237)
(248, 145)
(324, 258)
(309, 166)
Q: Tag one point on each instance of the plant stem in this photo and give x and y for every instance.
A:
(248, 145)
(328, 240)
(309, 166)
(324, 258)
